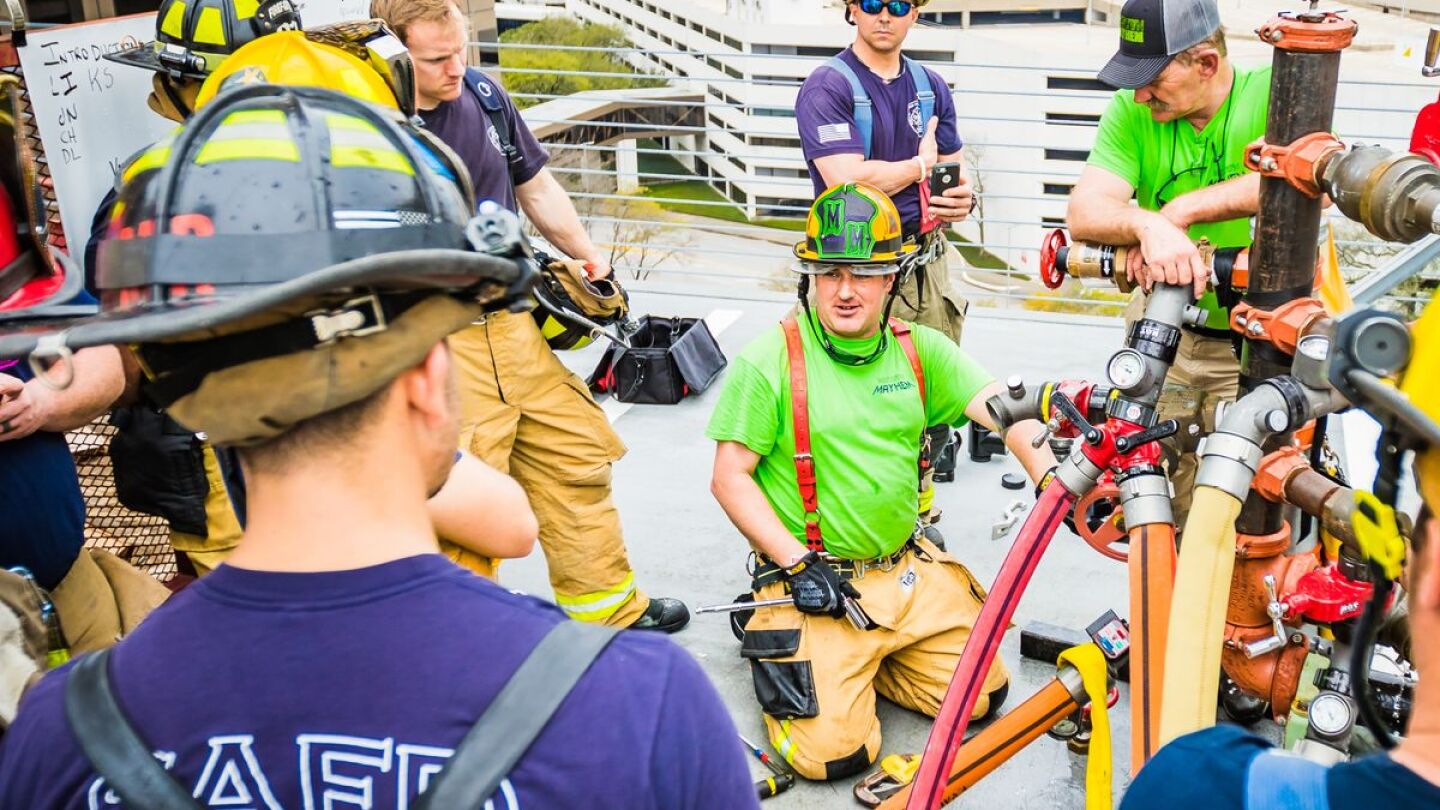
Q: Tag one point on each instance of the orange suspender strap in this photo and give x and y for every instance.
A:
(800, 418)
(907, 343)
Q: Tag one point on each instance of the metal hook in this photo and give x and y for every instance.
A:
(53, 347)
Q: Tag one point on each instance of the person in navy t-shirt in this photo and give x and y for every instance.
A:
(336, 659)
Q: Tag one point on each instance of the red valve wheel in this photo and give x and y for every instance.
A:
(1052, 275)
(1101, 523)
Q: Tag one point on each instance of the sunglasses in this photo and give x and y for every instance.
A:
(897, 8)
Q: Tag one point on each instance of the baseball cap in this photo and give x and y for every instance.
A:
(1151, 33)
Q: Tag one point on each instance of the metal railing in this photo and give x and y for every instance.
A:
(682, 234)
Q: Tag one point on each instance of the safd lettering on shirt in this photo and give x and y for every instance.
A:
(335, 770)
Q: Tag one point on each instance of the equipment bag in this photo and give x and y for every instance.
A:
(668, 359)
(504, 732)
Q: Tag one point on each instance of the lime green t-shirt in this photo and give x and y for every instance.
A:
(865, 429)
(1163, 161)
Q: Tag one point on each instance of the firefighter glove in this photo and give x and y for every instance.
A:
(817, 588)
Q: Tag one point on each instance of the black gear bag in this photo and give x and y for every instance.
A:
(667, 360)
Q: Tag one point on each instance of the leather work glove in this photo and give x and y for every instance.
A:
(817, 588)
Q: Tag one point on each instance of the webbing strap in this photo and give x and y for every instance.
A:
(864, 114)
(485, 93)
(1281, 781)
(111, 743)
(516, 716)
(800, 419)
(907, 344)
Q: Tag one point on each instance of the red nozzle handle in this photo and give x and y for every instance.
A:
(1050, 272)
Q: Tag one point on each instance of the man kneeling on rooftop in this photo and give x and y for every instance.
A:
(818, 465)
(336, 657)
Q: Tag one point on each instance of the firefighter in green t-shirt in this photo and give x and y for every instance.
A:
(1173, 139)
(817, 463)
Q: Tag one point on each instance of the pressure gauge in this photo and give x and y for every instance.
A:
(1314, 347)
(1128, 370)
(1330, 714)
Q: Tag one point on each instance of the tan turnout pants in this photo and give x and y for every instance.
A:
(1204, 374)
(816, 677)
(526, 415)
(931, 300)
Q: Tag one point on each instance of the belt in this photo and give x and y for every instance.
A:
(767, 571)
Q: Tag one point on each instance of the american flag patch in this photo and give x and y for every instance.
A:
(830, 133)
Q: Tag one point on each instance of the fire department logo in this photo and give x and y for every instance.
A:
(912, 114)
(495, 139)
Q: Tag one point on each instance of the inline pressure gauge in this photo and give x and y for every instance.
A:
(1128, 370)
(1330, 714)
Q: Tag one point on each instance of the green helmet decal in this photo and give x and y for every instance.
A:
(846, 225)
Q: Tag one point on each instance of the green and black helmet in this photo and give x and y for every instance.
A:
(192, 37)
(853, 224)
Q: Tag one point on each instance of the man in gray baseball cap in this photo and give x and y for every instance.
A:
(1173, 140)
(1154, 32)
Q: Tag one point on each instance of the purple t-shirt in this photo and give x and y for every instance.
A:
(463, 125)
(351, 688)
(825, 116)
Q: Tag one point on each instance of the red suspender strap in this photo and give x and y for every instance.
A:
(907, 343)
(800, 419)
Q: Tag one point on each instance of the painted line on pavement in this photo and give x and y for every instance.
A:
(718, 321)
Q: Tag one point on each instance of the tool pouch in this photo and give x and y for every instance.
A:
(785, 689)
(668, 359)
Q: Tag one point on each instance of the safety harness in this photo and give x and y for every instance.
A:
(864, 108)
(482, 760)
(488, 94)
(800, 419)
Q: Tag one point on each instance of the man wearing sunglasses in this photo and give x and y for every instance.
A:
(1173, 139)
(816, 463)
(893, 143)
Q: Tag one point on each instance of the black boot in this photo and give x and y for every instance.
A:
(665, 615)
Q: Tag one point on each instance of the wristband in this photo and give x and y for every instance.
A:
(921, 161)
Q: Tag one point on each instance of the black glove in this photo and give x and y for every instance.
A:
(817, 588)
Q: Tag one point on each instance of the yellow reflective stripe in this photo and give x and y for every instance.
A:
(784, 745)
(255, 117)
(210, 28)
(248, 149)
(149, 159)
(245, 9)
(598, 605)
(552, 327)
(174, 23)
(361, 157)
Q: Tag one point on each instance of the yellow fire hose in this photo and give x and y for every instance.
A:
(1197, 614)
(1090, 662)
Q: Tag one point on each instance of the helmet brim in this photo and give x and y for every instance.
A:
(144, 56)
(496, 282)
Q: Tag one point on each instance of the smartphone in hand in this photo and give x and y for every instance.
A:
(944, 175)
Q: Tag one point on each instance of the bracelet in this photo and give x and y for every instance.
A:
(921, 161)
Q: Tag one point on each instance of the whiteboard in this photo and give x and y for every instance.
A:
(91, 112)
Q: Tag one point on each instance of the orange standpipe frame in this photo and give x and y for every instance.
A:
(1002, 739)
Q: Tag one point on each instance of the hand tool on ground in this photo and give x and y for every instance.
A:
(772, 786)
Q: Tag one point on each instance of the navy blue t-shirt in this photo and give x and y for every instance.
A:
(351, 688)
(42, 514)
(825, 117)
(464, 127)
(1207, 770)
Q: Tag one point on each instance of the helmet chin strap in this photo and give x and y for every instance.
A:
(836, 354)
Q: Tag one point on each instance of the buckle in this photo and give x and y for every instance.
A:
(355, 318)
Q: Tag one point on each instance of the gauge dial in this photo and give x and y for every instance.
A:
(1330, 714)
(1315, 347)
(1127, 370)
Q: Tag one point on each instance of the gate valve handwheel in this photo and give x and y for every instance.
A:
(1051, 273)
(1106, 532)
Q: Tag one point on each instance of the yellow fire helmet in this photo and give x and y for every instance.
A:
(361, 60)
(853, 224)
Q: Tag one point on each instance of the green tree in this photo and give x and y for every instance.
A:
(565, 31)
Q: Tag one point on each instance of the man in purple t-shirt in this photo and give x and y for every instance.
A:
(336, 658)
(903, 150)
(523, 412)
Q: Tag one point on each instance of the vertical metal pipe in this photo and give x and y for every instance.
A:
(1287, 231)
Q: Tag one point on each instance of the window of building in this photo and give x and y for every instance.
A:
(1063, 189)
(931, 56)
(1100, 16)
(735, 194)
(789, 81)
(1079, 155)
(779, 207)
(731, 42)
(1072, 119)
(773, 112)
(944, 18)
(1076, 83)
(733, 73)
(774, 171)
(1053, 222)
(763, 140)
(1073, 15)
